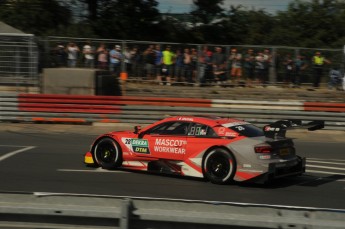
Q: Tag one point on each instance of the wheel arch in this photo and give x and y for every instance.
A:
(215, 147)
(100, 139)
(218, 147)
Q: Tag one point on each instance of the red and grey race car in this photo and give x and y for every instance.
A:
(218, 149)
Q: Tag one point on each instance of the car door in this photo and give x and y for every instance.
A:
(167, 140)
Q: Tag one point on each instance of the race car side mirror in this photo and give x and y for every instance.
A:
(137, 129)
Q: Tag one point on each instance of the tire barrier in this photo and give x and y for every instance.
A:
(54, 210)
(144, 110)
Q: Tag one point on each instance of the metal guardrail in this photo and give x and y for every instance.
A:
(130, 109)
(65, 211)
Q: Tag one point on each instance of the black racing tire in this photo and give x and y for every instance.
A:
(219, 166)
(107, 153)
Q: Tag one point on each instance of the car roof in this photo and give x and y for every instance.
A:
(204, 119)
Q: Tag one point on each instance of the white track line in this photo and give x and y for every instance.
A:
(323, 172)
(98, 170)
(326, 162)
(10, 154)
(325, 167)
(324, 159)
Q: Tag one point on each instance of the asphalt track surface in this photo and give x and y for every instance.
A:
(49, 158)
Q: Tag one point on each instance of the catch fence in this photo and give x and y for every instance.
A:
(23, 57)
(134, 62)
(19, 60)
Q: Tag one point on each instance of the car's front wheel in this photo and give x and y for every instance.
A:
(107, 153)
(219, 166)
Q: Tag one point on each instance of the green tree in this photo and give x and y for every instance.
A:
(35, 16)
(206, 11)
(260, 26)
(128, 19)
(245, 27)
(170, 29)
(237, 26)
(93, 8)
(314, 24)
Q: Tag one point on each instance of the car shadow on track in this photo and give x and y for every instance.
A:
(168, 175)
(304, 180)
(307, 180)
(317, 181)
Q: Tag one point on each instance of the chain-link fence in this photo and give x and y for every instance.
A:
(191, 63)
(19, 61)
(280, 65)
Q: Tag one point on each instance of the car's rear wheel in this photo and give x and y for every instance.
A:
(219, 166)
(107, 153)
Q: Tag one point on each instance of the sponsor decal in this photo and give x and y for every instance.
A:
(231, 134)
(240, 128)
(164, 149)
(137, 145)
(174, 146)
(185, 119)
(221, 130)
(234, 124)
(170, 142)
(140, 146)
(269, 128)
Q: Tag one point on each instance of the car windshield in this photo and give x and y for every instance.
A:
(247, 130)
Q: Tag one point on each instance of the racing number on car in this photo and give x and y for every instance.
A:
(194, 130)
(197, 131)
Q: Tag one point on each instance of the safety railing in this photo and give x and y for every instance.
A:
(54, 210)
(144, 110)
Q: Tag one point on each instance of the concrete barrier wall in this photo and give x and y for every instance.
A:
(79, 81)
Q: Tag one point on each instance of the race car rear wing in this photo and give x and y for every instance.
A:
(279, 128)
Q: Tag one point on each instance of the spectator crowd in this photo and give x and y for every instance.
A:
(206, 65)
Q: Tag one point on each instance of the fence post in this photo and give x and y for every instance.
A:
(125, 213)
(198, 64)
(124, 70)
(272, 77)
(343, 64)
